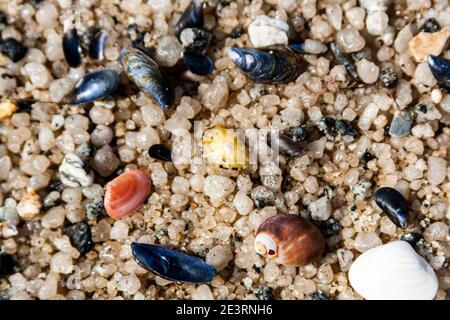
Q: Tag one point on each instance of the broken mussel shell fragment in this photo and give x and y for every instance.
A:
(289, 240)
(195, 39)
(440, 68)
(96, 85)
(97, 45)
(198, 63)
(126, 193)
(192, 17)
(172, 264)
(394, 205)
(342, 58)
(269, 66)
(160, 152)
(72, 48)
(147, 76)
(285, 144)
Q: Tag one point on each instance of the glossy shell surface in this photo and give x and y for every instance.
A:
(126, 193)
(172, 264)
(394, 205)
(289, 240)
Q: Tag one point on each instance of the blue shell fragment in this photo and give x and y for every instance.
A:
(97, 46)
(192, 17)
(172, 264)
(268, 66)
(401, 125)
(93, 86)
(198, 63)
(440, 68)
(147, 76)
(394, 205)
(72, 48)
(297, 46)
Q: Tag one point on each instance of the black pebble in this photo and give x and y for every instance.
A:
(264, 293)
(318, 295)
(237, 32)
(394, 205)
(24, 105)
(388, 78)
(95, 209)
(13, 49)
(366, 157)
(3, 19)
(328, 126)
(80, 236)
(430, 25)
(412, 238)
(7, 264)
(345, 128)
(160, 152)
(331, 227)
(300, 133)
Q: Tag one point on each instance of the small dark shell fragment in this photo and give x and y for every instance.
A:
(341, 58)
(297, 46)
(13, 49)
(147, 76)
(198, 63)
(266, 66)
(286, 145)
(237, 32)
(440, 68)
(299, 133)
(345, 128)
(7, 264)
(80, 236)
(172, 264)
(394, 205)
(97, 46)
(192, 17)
(412, 238)
(72, 48)
(160, 152)
(93, 86)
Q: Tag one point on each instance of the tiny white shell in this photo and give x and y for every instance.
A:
(393, 271)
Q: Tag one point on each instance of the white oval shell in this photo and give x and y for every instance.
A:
(393, 271)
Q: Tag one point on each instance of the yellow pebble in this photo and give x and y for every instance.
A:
(7, 108)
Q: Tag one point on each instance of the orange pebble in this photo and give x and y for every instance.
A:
(126, 193)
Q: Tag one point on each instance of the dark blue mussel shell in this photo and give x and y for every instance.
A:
(440, 68)
(266, 66)
(147, 76)
(192, 17)
(97, 46)
(93, 86)
(394, 205)
(72, 48)
(297, 46)
(198, 63)
(172, 264)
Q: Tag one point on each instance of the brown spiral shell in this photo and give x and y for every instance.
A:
(289, 240)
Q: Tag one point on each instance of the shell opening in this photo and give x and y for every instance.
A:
(266, 245)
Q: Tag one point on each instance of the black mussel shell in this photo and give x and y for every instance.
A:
(440, 68)
(72, 48)
(93, 86)
(172, 264)
(160, 152)
(267, 66)
(147, 76)
(192, 17)
(198, 63)
(97, 45)
(394, 205)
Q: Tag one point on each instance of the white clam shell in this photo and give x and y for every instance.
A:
(393, 271)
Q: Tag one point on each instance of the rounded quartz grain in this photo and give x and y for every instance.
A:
(349, 40)
(54, 218)
(218, 187)
(47, 16)
(367, 70)
(366, 240)
(202, 292)
(105, 162)
(168, 51)
(219, 256)
(101, 135)
(101, 115)
(61, 263)
(377, 22)
(437, 231)
(38, 74)
(119, 231)
(243, 203)
(49, 288)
